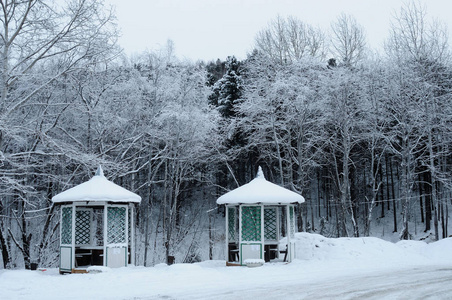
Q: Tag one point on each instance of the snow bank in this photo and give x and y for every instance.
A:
(439, 251)
(314, 247)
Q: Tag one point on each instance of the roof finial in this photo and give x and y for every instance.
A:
(99, 171)
(260, 173)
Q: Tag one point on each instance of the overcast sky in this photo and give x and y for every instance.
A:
(211, 29)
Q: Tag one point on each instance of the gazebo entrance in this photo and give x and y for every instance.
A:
(96, 225)
(260, 222)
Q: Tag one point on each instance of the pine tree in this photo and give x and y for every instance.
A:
(228, 90)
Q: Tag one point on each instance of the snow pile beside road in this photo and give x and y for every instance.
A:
(439, 251)
(317, 247)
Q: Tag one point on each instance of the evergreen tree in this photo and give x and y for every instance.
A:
(228, 90)
(215, 71)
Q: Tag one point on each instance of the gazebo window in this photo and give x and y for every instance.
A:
(232, 224)
(98, 224)
(66, 225)
(83, 226)
(270, 224)
(251, 223)
(129, 234)
(116, 232)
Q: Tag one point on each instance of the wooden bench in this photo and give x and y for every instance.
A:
(233, 252)
(270, 252)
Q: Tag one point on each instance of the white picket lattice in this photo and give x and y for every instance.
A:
(83, 227)
(116, 225)
(66, 225)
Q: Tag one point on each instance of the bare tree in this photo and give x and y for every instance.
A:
(348, 40)
(343, 122)
(373, 137)
(414, 38)
(288, 40)
(41, 42)
(36, 35)
(422, 45)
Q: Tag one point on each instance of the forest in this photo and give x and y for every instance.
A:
(363, 135)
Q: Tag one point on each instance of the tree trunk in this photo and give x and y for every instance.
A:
(406, 181)
(443, 224)
(278, 153)
(146, 233)
(394, 204)
(433, 184)
(300, 220)
(345, 189)
(421, 205)
(147, 212)
(319, 193)
(44, 239)
(428, 201)
(210, 237)
(5, 253)
(312, 217)
(447, 221)
(382, 198)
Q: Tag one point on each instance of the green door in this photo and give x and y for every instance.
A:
(117, 236)
(251, 233)
(66, 239)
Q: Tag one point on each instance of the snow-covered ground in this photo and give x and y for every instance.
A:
(344, 268)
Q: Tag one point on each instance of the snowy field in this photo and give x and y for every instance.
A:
(344, 268)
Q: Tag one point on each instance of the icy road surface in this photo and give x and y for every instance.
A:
(417, 283)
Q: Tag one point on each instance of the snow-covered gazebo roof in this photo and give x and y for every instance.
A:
(99, 189)
(259, 190)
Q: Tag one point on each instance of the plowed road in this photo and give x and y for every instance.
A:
(416, 283)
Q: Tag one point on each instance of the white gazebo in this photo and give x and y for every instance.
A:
(260, 221)
(96, 225)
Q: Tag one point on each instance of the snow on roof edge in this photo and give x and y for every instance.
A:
(259, 190)
(97, 189)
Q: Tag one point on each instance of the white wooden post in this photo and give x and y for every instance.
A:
(132, 232)
(262, 232)
(227, 232)
(278, 229)
(294, 224)
(105, 235)
(127, 236)
(289, 250)
(240, 234)
(74, 207)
